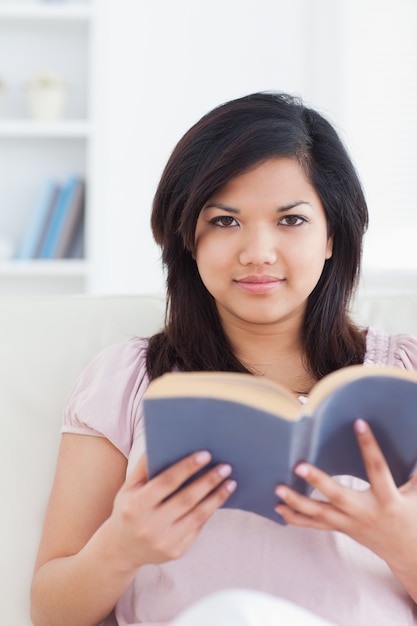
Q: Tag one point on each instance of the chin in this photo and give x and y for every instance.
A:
(264, 318)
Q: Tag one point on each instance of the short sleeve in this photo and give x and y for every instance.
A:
(394, 350)
(106, 400)
(405, 352)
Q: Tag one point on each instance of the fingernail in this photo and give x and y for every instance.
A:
(281, 492)
(302, 470)
(360, 426)
(224, 470)
(231, 485)
(202, 457)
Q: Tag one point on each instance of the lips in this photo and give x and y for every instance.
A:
(256, 279)
(259, 284)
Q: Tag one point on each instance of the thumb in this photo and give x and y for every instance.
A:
(413, 477)
(139, 474)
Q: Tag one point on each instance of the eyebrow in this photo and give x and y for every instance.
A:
(229, 209)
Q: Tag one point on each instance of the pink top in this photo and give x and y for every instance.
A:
(325, 572)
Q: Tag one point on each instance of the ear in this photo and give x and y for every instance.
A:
(329, 247)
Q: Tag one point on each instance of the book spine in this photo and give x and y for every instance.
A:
(73, 222)
(38, 221)
(300, 444)
(50, 212)
(58, 218)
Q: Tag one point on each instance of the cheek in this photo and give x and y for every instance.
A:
(208, 259)
(211, 252)
(309, 256)
(203, 253)
(215, 265)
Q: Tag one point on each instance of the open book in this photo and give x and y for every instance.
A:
(263, 431)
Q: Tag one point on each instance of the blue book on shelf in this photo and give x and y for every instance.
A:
(38, 220)
(58, 219)
(74, 222)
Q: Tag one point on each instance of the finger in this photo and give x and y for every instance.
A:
(185, 530)
(185, 500)
(171, 479)
(306, 511)
(379, 474)
(337, 494)
(195, 519)
(413, 478)
(139, 475)
(299, 519)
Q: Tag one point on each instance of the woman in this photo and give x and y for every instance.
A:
(260, 216)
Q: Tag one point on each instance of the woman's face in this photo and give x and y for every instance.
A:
(261, 244)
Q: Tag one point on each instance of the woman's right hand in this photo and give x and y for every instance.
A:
(100, 526)
(153, 521)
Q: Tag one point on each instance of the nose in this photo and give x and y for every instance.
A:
(258, 248)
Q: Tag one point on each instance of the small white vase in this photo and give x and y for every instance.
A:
(47, 99)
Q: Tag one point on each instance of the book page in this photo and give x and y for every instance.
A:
(237, 387)
(347, 374)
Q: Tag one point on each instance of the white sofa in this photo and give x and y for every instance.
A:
(44, 343)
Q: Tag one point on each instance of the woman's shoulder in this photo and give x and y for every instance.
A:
(106, 399)
(398, 350)
(116, 364)
(129, 350)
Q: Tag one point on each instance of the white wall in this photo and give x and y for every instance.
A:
(379, 68)
(162, 64)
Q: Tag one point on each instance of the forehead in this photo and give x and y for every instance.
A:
(273, 179)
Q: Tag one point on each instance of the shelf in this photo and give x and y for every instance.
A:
(39, 268)
(30, 128)
(43, 36)
(45, 11)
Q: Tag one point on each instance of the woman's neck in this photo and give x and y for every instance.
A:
(275, 353)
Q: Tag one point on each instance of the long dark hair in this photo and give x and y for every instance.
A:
(226, 142)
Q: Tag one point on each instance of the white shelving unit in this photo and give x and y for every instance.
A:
(38, 11)
(42, 277)
(36, 37)
(76, 129)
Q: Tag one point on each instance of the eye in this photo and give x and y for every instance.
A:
(292, 220)
(224, 221)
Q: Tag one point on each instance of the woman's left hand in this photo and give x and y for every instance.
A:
(383, 517)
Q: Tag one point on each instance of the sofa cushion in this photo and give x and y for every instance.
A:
(44, 344)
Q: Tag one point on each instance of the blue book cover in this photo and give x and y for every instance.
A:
(38, 220)
(263, 432)
(58, 218)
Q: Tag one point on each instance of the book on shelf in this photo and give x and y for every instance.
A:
(263, 431)
(67, 217)
(77, 247)
(73, 224)
(38, 221)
